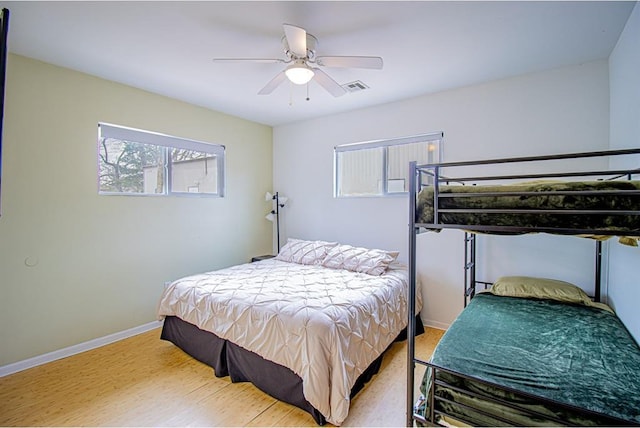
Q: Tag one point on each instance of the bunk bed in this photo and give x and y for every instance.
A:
(543, 352)
(309, 327)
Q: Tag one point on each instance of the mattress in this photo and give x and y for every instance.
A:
(566, 362)
(505, 205)
(326, 325)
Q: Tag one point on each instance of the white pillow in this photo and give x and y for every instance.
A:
(358, 259)
(304, 252)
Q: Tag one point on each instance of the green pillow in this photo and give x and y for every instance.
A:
(539, 288)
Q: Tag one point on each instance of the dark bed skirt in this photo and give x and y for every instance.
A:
(229, 359)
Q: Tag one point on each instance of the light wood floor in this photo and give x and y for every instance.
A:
(145, 381)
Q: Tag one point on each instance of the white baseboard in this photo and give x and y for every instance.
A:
(76, 349)
(435, 324)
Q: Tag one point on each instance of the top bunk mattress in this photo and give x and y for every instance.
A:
(584, 207)
(577, 355)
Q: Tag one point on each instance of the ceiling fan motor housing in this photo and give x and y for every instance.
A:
(312, 42)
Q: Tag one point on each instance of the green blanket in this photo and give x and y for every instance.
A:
(577, 355)
(617, 224)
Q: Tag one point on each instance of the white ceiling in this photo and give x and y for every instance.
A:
(427, 46)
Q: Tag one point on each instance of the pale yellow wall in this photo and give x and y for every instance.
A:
(100, 262)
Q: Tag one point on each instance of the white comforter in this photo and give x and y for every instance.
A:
(326, 325)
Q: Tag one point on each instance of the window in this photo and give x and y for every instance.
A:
(135, 162)
(380, 168)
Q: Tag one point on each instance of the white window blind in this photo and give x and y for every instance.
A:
(381, 168)
(136, 162)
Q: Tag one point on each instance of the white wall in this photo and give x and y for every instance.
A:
(624, 83)
(74, 265)
(563, 110)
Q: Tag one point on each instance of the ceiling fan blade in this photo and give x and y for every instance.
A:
(374, 62)
(258, 60)
(273, 84)
(328, 83)
(296, 39)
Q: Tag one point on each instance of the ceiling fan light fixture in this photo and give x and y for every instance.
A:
(299, 73)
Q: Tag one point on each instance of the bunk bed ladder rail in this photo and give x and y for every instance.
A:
(415, 177)
(469, 266)
(598, 273)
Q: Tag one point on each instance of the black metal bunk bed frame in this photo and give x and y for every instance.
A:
(433, 171)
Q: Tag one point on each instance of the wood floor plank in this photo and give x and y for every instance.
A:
(273, 415)
(144, 381)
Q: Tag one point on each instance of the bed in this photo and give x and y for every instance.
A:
(477, 384)
(551, 363)
(308, 327)
(606, 207)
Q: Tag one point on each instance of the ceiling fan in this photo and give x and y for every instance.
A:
(300, 51)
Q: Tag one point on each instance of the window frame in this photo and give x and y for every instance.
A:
(167, 142)
(385, 144)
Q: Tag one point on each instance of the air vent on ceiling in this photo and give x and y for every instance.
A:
(356, 86)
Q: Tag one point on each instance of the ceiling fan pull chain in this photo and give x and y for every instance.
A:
(290, 94)
(307, 91)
